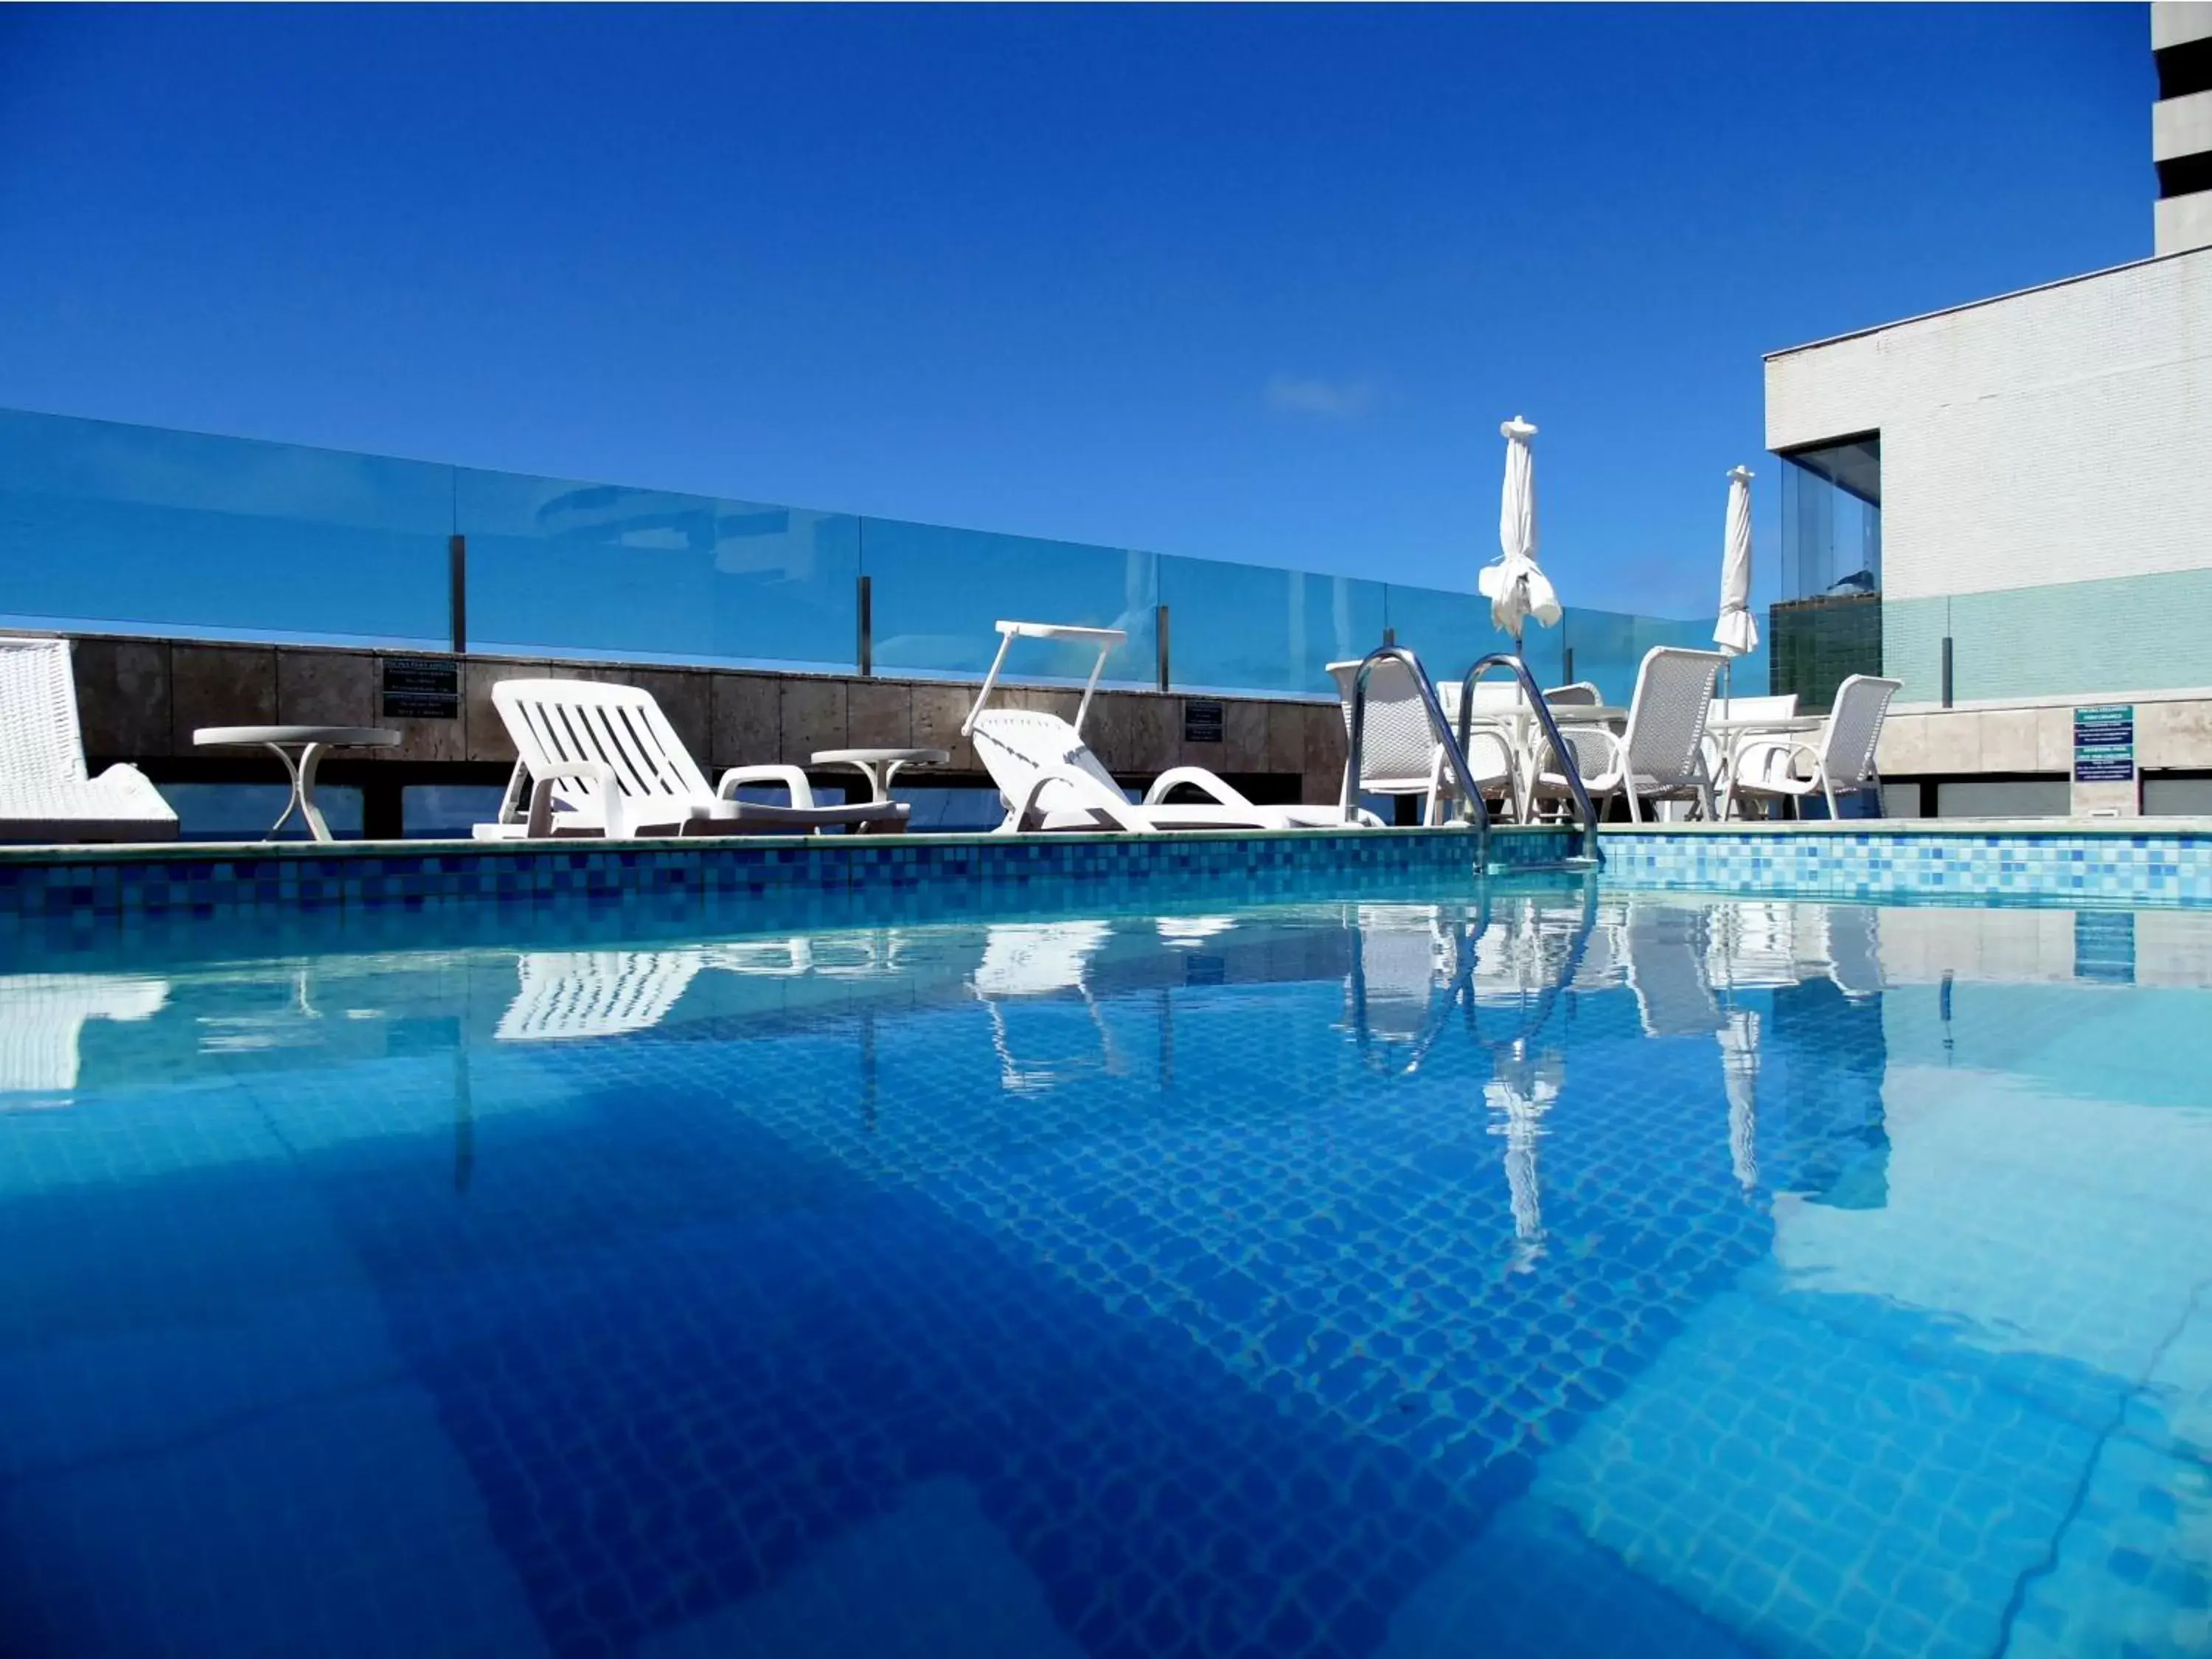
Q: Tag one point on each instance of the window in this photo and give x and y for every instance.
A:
(1827, 625)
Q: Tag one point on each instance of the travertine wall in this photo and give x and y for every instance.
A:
(140, 700)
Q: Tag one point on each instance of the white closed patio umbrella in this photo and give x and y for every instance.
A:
(1516, 588)
(1736, 633)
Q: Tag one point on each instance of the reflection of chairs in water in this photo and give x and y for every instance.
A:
(832, 955)
(1851, 946)
(1768, 945)
(590, 993)
(43, 1015)
(1415, 965)
(1187, 932)
(1751, 946)
(1665, 949)
(1040, 961)
(594, 994)
(1405, 964)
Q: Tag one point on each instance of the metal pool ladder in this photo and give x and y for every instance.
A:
(1472, 809)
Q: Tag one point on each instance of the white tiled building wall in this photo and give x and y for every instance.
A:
(2053, 436)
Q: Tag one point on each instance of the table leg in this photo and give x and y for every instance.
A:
(301, 772)
(308, 809)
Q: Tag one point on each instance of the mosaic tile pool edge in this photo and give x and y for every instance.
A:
(2149, 868)
(790, 883)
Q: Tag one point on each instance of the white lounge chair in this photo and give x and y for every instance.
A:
(46, 793)
(1400, 754)
(602, 760)
(1842, 756)
(1660, 757)
(1050, 779)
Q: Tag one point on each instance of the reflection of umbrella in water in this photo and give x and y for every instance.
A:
(1739, 1041)
(1518, 1097)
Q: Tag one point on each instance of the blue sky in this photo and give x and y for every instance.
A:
(1239, 281)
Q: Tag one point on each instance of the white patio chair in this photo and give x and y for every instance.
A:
(1660, 757)
(603, 760)
(1050, 779)
(1400, 754)
(46, 793)
(1841, 756)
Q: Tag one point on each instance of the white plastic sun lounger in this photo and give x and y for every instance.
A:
(1049, 779)
(46, 793)
(603, 760)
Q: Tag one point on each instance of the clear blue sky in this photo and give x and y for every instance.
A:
(1243, 282)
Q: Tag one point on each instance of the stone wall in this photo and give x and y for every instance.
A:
(139, 700)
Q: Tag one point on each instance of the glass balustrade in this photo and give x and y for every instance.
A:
(112, 528)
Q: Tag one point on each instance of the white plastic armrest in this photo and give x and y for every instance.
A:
(1200, 778)
(128, 779)
(1095, 794)
(1616, 750)
(540, 824)
(789, 778)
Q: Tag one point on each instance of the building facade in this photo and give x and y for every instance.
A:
(2007, 506)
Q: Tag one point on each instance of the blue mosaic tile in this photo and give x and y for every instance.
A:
(2151, 867)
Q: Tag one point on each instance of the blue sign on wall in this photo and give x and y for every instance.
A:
(2104, 743)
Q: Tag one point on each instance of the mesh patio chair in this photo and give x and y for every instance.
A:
(1841, 755)
(1400, 753)
(46, 794)
(1661, 756)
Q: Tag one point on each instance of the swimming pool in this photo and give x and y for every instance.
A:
(1564, 1270)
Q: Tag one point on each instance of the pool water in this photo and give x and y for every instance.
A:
(1562, 1272)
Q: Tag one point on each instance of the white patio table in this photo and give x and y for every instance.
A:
(880, 766)
(309, 742)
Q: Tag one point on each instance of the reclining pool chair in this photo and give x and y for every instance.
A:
(602, 760)
(46, 793)
(1049, 779)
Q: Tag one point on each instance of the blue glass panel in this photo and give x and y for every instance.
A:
(133, 528)
(938, 593)
(1451, 630)
(1244, 627)
(561, 569)
(1605, 650)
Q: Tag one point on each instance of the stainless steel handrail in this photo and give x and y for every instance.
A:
(1570, 770)
(1471, 803)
